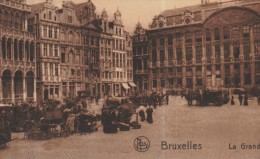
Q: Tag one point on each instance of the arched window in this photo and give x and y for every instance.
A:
(62, 35)
(71, 57)
(6, 81)
(71, 37)
(77, 38)
(1, 18)
(4, 48)
(30, 84)
(6, 16)
(9, 49)
(21, 47)
(32, 52)
(17, 21)
(16, 54)
(27, 49)
(11, 20)
(18, 84)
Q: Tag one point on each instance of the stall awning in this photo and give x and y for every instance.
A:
(132, 84)
(125, 85)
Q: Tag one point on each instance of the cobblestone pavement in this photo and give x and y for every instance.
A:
(215, 128)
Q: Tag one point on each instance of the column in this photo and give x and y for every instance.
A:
(241, 57)
(18, 51)
(1, 89)
(166, 71)
(175, 63)
(1, 60)
(158, 64)
(34, 90)
(6, 49)
(222, 57)
(213, 57)
(24, 53)
(204, 59)
(68, 88)
(194, 72)
(252, 55)
(112, 90)
(13, 90)
(12, 50)
(184, 70)
(231, 55)
(150, 79)
(24, 88)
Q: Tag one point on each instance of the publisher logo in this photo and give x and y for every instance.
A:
(141, 144)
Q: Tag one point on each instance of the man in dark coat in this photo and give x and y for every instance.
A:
(149, 112)
(167, 99)
(240, 98)
(246, 100)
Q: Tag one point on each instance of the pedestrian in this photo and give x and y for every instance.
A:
(232, 100)
(167, 99)
(141, 111)
(149, 112)
(240, 98)
(246, 100)
(71, 123)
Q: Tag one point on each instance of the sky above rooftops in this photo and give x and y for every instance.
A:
(133, 10)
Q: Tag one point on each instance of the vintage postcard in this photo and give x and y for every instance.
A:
(137, 79)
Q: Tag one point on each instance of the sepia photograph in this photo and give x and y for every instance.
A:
(137, 79)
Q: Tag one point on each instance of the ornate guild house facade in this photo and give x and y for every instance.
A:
(17, 58)
(200, 46)
(50, 52)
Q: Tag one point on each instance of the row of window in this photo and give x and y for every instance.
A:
(50, 50)
(51, 69)
(119, 44)
(50, 32)
(235, 34)
(198, 51)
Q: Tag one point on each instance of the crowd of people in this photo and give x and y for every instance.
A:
(243, 100)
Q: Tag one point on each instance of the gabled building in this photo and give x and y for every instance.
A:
(45, 20)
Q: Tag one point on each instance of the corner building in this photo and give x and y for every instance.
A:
(17, 53)
(213, 44)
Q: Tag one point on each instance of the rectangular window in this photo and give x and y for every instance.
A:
(46, 69)
(162, 42)
(49, 15)
(56, 69)
(77, 59)
(45, 31)
(50, 32)
(246, 31)
(63, 58)
(56, 50)
(257, 48)
(69, 17)
(170, 42)
(45, 49)
(56, 33)
(50, 50)
(51, 69)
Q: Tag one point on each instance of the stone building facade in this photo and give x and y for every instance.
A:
(46, 28)
(201, 46)
(77, 51)
(18, 53)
